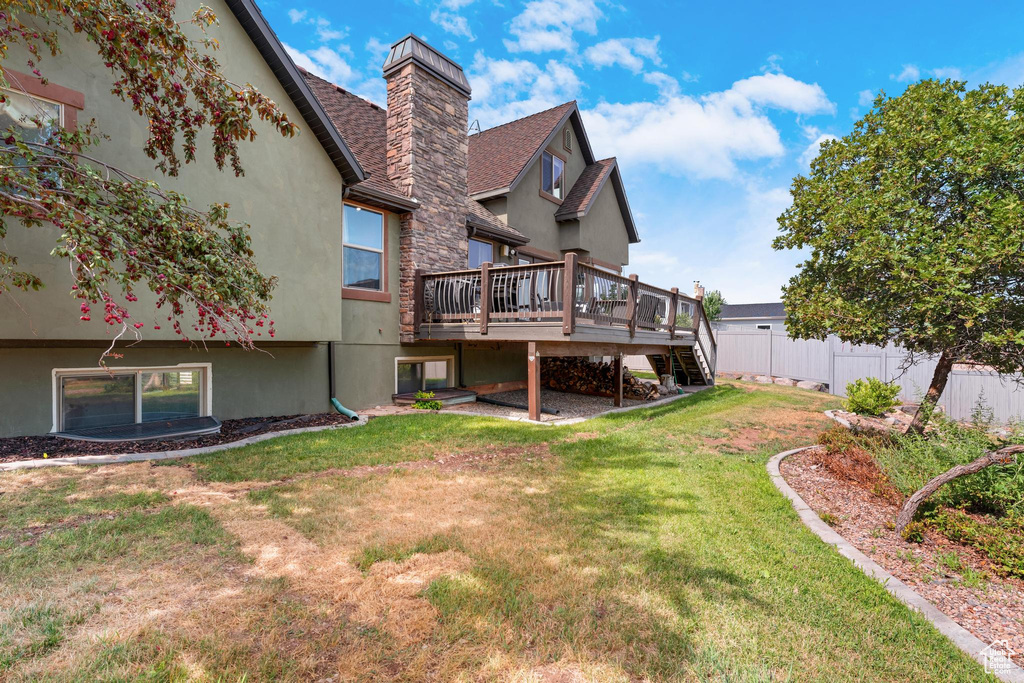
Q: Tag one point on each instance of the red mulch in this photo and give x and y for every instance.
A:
(32, 447)
(864, 510)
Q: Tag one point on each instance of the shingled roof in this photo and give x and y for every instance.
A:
(766, 310)
(584, 191)
(498, 155)
(363, 124)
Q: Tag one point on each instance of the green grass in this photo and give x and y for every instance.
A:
(646, 548)
(643, 374)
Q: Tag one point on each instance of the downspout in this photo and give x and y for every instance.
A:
(330, 382)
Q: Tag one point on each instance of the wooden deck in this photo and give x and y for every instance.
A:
(565, 308)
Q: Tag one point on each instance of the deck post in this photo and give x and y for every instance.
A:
(617, 369)
(634, 294)
(419, 306)
(485, 296)
(533, 380)
(569, 294)
(673, 310)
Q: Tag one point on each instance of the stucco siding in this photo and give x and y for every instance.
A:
(603, 232)
(290, 195)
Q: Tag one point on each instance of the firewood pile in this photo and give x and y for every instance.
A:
(580, 375)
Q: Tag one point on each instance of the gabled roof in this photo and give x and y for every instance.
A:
(769, 310)
(499, 156)
(588, 186)
(364, 126)
(273, 52)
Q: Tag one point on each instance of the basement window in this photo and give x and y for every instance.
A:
(88, 399)
(422, 374)
(363, 245)
(552, 175)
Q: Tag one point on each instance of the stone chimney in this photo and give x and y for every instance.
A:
(698, 290)
(427, 153)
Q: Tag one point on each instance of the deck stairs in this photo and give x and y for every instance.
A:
(688, 366)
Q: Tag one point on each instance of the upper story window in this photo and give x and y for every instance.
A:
(363, 244)
(28, 112)
(552, 175)
(480, 252)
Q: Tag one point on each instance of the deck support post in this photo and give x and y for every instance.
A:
(634, 295)
(672, 313)
(485, 296)
(569, 294)
(533, 380)
(617, 369)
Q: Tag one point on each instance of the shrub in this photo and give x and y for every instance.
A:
(1002, 541)
(871, 397)
(425, 401)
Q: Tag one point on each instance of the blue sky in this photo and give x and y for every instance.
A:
(711, 108)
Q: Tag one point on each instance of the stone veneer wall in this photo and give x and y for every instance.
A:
(427, 148)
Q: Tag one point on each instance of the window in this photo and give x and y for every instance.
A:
(20, 110)
(764, 326)
(363, 245)
(552, 175)
(91, 398)
(422, 374)
(567, 139)
(480, 252)
(524, 261)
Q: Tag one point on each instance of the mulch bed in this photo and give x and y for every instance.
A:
(992, 612)
(32, 447)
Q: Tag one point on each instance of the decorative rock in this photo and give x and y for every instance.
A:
(763, 379)
(811, 386)
(782, 381)
(748, 378)
(663, 390)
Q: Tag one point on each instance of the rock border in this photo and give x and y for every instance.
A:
(961, 637)
(167, 455)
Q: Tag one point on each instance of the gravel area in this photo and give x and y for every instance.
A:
(568, 405)
(995, 611)
(32, 447)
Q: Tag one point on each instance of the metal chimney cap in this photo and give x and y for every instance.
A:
(413, 48)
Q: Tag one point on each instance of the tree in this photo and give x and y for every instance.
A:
(713, 302)
(118, 230)
(915, 225)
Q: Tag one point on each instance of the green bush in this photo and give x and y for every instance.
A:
(871, 397)
(910, 460)
(424, 401)
(1001, 540)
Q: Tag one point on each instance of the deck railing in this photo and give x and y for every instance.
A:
(561, 291)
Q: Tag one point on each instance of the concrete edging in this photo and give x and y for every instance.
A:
(167, 455)
(961, 637)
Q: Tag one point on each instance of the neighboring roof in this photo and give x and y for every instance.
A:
(273, 52)
(415, 49)
(364, 126)
(769, 310)
(499, 156)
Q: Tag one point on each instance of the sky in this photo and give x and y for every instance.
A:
(711, 108)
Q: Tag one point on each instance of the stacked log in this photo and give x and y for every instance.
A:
(580, 375)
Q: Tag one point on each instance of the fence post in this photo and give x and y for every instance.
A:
(672, 313)
(569, 294)
(485, 296)
(634, 294)
(419, 306)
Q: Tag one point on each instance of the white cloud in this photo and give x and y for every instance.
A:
(628, 53)
(378, 50)
(546, 25)
(506, 89)
(297, 15)
(807, 156)
(865, 98)
(667, 85)
(704, 137)
(950, 72)
(909, 73)
(324, 62)
(451, 22)
(1009, 71)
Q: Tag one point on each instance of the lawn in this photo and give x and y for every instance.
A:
(641, 545)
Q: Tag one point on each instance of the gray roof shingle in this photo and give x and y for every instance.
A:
(768, 310)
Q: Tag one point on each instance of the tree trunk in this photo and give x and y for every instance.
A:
(1003, 456)
(931, 399)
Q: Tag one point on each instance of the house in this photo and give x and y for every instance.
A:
(410, 254)
(768, 316)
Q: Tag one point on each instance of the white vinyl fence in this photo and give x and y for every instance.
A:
(773, 353)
